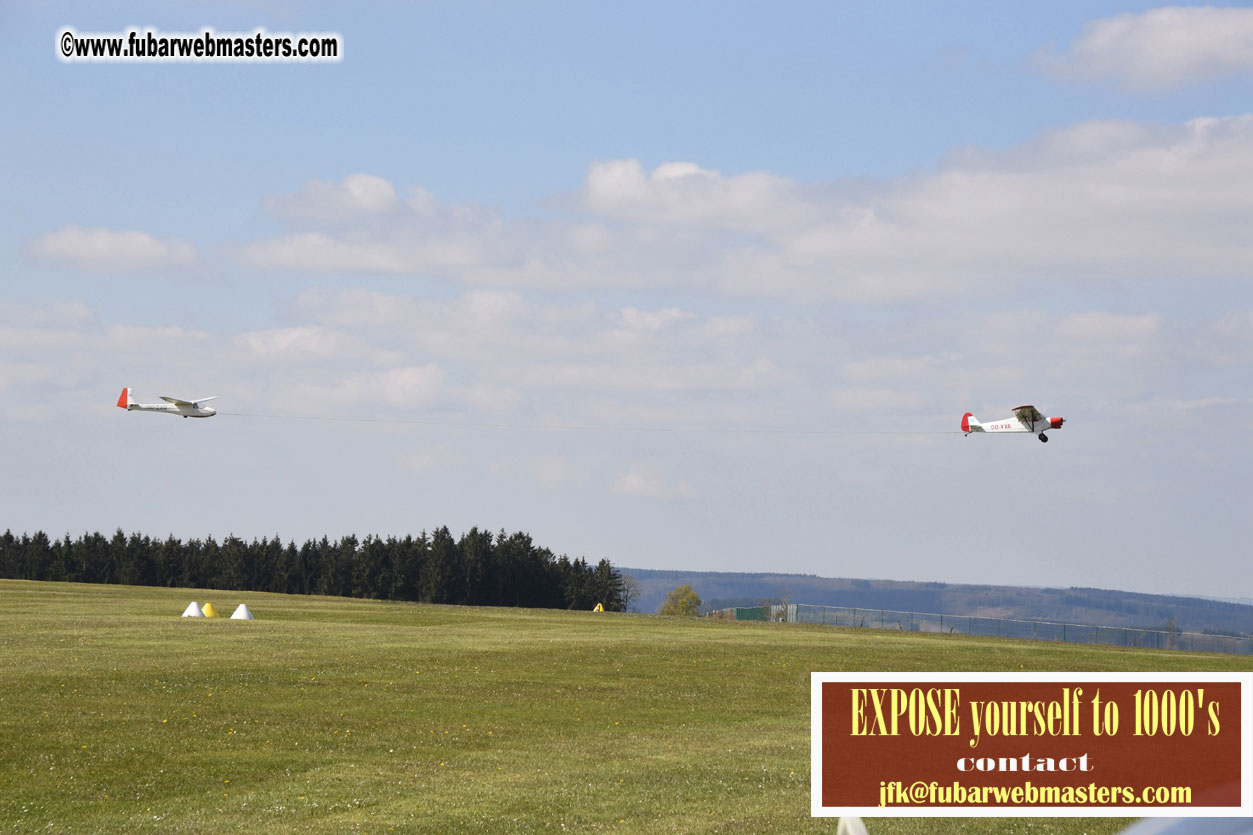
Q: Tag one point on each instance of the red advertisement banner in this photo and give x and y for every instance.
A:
(1142, 744)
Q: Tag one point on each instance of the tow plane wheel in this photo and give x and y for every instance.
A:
(1044, 438)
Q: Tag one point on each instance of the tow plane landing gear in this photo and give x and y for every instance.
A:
(1044, 438)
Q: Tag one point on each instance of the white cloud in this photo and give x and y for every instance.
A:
(555, 471)
(286, 342)
(1096, 201)
(872, 403)
(885, 367)
(1130, 330)
(1236, 323)
(490, 397)
(544, 363)
(652, 320)
(685, 194)
(357, 195)
(107, 250)
(522, 362)
(641, 374)
(316, 252)
(1208, 403)
(402, 387)
(1159, 49)
(69, 312)
(430, 458)
(646, 480)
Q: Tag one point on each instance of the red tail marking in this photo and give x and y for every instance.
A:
(966, 421)
(121, 401)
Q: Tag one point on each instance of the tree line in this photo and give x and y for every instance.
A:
(479, 569)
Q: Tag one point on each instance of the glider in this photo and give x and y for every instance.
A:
(171, 406)
(1024, 419)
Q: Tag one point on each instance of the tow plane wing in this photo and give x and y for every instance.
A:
(1029, 414)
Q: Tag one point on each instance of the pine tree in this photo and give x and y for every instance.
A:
(62, 557)
(286, 571)
(170, 563)
(210, 563)
(476, 556)
(37, 556)
(443, 577)
(8, 556)
(407, 561)
(608, 587)
(232, 564)
(368, 569)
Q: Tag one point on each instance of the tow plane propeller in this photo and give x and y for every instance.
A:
(171, 406)
(1024, 419)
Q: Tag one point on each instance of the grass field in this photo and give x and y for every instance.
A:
(335, 715)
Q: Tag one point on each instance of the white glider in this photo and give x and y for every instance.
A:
(171, 406)
(1024, 419)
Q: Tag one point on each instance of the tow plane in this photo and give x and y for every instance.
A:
(171, 406)
(1024, 419)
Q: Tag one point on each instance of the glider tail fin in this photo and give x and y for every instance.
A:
(970, 423)
(125, 401)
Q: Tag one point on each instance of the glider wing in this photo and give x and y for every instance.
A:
(190, 404)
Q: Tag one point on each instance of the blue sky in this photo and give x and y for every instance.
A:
(665, 224)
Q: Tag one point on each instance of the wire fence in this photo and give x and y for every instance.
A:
(1037, 630)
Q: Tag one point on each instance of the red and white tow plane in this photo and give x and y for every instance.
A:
(171, 406)
(1024, 419)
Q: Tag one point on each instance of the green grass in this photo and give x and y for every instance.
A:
(334, 715)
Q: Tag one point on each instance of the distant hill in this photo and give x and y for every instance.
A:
(1244, 601)
(1098, 607)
